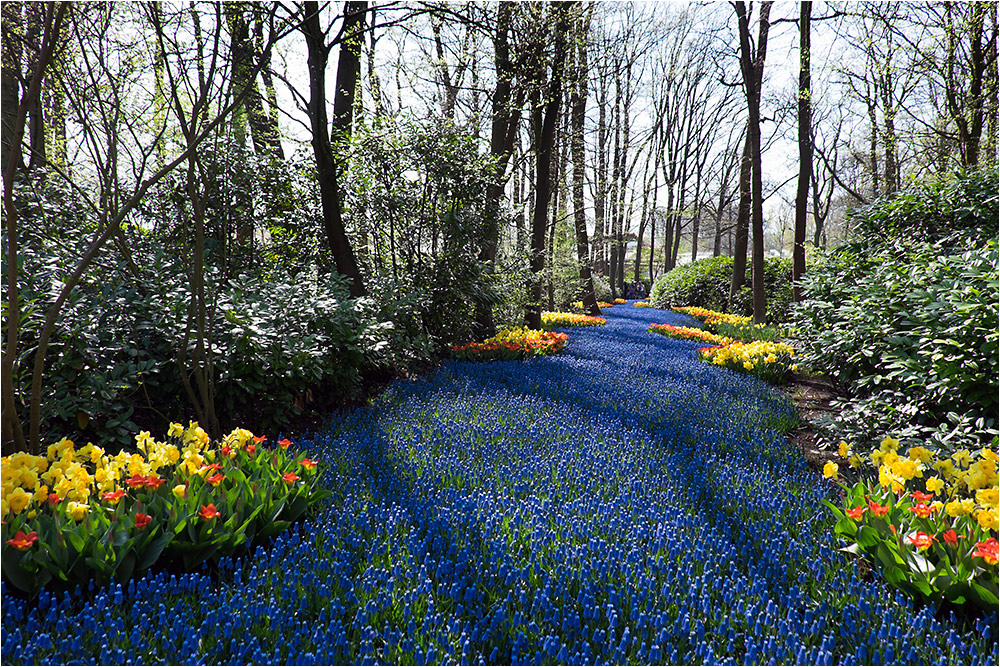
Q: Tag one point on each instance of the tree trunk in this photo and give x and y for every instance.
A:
(696, 220)
(36, 14)
(601, 180)
(272, 132)
(506, 117)
(742, 222)
(889, 134)
(348, 68)
(12, 25)
(543, 163)
(805, 151)
(668, 232)
(329, 166)
(752, 65)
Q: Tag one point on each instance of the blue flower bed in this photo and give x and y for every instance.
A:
(620, 503)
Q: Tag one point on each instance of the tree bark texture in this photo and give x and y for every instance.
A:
(328, 165)
(506, 116)
(742, 222)
(752, 65)
(543, 164)
(805, 151)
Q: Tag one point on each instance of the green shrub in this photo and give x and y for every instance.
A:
(704, 283)
(777, 287)
(908, 323)
(112, 363)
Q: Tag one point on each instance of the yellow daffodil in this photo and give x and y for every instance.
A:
(988, 497)
(962, 458)
(987, 519)
(28, 478)
(907, 469)
(41, 494)
(889, 444)
(956, 508)
(17, 500)
(886, 478)
(946, 468)
(77, 510)
(921, 454)
(830, 470)
(934, 485)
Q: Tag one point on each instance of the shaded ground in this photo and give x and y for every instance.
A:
(813, 397)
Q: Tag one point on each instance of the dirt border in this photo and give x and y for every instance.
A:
(813, 397)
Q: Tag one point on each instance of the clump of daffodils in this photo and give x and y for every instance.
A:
(185, 499)
(960, 481)
(767, 360)
(554, 320)
(688, 333)
(642, 304)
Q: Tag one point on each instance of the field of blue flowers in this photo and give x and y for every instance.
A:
(619, 503)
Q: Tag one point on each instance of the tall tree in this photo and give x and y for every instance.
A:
(752, 66)
(544, 146)
(10, 75)
(49, 26)
(967, 69)
(36, 26)
(805, 151)
(330, 165)
(742, 220)
(506, 115)
(244, 52)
